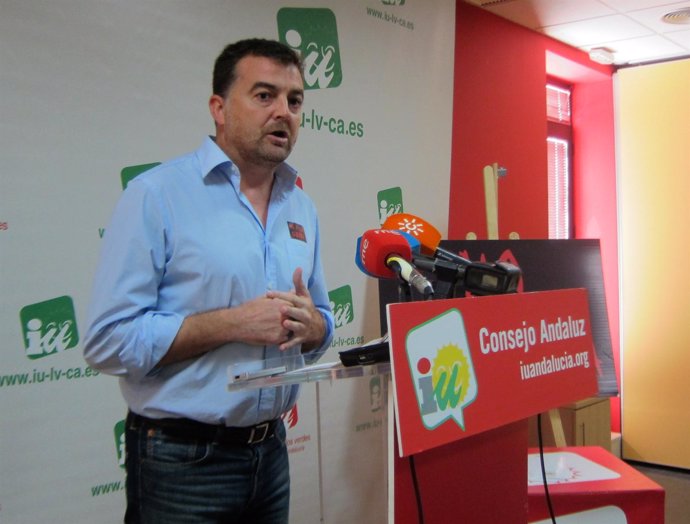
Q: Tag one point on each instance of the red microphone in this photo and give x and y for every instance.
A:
(385, 254)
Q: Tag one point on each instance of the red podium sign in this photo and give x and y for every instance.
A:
(464, 366)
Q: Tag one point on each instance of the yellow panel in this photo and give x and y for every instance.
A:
(653, 135)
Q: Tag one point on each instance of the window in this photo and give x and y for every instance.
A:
(559, 147)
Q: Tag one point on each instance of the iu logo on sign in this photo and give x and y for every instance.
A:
(439, 357)
(313, 33)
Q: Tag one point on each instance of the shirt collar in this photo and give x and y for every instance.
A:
(211, 157)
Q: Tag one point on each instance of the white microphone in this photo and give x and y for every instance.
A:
(410, 274)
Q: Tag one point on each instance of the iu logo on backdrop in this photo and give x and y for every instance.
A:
(313, 33)
(130, 172)
(341, 305)
(390, 203)
(439, 358)
(119, 434)
(49, 327)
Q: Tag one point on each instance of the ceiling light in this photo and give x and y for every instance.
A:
(681, 16)
(602, 55)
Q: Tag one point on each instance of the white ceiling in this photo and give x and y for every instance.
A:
(632, 30)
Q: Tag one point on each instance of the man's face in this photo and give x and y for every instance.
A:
(259, 119)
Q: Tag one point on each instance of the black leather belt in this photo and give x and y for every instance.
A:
(191, 429)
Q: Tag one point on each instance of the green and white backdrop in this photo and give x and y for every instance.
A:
(92, 91)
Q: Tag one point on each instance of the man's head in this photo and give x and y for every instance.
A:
(257, 103)
(224, 70)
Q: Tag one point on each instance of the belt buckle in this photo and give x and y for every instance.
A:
(259, 433)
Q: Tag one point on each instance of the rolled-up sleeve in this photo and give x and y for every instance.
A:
(127, 334)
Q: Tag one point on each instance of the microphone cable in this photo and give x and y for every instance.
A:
(417, 493)
(543, 471)
(404, 295)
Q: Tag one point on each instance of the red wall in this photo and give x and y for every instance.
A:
(499, 116)
(499, 113)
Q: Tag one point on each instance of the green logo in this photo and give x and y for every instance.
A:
(390, 203)
(119, 431)
(440, 362)
(313, 33)
(49, 327)
(130, 172)
(377, 393)
(341, 305)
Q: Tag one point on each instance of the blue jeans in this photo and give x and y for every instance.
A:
(171, 480)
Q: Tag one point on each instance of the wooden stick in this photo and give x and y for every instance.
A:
(557, 427)
(491, 200)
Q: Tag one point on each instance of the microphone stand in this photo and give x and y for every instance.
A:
(404, 291)
(449, 277)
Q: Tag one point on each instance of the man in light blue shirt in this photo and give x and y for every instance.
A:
(212, 260)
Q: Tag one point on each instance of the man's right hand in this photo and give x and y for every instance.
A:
(257, 322)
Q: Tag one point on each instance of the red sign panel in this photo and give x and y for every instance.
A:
(463, 366)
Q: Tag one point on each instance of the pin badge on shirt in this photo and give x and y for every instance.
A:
(297, 231)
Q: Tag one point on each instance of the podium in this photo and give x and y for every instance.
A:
(466, 375)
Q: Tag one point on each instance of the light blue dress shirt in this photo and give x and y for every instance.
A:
(183, 239)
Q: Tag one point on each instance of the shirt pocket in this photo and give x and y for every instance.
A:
(300, 254)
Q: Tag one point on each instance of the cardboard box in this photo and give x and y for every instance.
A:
(585, 423)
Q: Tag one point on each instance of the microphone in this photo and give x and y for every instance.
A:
(385, 254)
(358, 260)
(415, 245)
(476, 277)
(411, 275)
(428, 236)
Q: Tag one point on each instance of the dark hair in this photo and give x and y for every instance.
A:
(224, 72)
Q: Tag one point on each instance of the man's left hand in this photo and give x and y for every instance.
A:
(304, 322)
